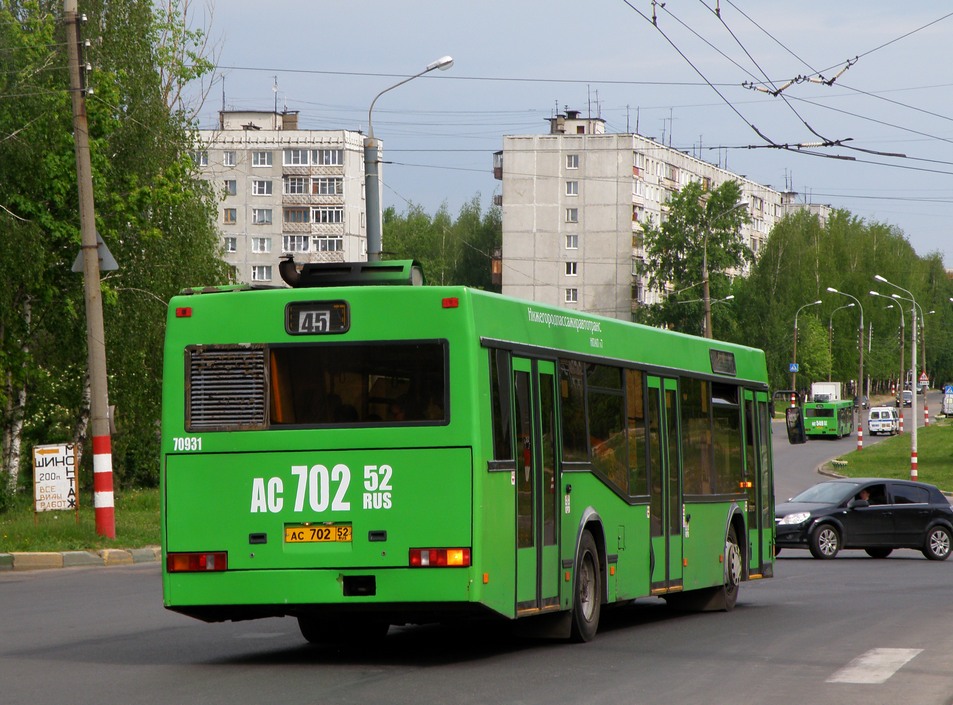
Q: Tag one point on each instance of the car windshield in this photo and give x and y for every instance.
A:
(827, 492)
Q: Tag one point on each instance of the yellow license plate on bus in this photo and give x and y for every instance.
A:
(318, 533)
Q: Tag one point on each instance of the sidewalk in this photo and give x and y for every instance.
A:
(72, 559)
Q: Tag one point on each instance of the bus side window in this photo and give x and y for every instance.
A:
(500, 404)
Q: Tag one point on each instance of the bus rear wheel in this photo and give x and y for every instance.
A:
(330, 631)
(587, 591)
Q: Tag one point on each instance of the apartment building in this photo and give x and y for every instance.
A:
(574, 201)
(284, 190)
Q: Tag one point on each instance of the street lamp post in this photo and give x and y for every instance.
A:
(902, 328)
(860, 374)
(372, 180)
(830, 336)
(913, 370)
(794, 361)
(706, 293)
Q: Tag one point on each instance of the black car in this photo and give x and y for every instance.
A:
(877, 515)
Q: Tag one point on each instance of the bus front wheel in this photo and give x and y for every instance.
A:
(587, 593)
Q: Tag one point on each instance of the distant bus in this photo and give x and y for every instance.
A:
(829, 418)
(360, 455)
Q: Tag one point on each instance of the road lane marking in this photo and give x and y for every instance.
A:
(875, 666)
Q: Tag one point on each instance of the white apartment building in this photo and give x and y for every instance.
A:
(573, 204)
(284, 190)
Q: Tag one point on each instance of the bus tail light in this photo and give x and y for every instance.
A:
(451, 302)
(439, 557)
(207, 562)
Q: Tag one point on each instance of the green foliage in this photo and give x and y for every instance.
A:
(801, 258)
(155, 217)
(450, 251)
(701, 232)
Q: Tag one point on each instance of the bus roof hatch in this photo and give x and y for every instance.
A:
(380, 273)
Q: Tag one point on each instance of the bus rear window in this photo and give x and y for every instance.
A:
(318, 385)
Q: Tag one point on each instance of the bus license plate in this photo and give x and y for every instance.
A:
(318, 534)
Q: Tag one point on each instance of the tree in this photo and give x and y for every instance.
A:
(702, 228)
(450, 251)
(155, 215)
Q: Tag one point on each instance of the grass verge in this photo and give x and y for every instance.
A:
(891, 458)
(137, 525)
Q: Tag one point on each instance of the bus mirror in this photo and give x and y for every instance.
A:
(794, 421)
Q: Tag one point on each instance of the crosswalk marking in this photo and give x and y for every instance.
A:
(874, 666)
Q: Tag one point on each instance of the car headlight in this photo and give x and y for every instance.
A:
(796, 518)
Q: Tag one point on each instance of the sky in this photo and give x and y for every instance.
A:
(871, 132)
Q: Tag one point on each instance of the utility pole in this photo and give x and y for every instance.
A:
(95, 329)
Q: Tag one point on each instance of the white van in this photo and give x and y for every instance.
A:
(883, 419)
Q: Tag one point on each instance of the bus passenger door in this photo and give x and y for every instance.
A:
(665, 486)
(537, 554)
(757, 479)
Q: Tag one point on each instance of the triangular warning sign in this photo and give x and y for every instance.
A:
(106, 261)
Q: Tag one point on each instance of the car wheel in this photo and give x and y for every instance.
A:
(879, 552)
(825, 542)
(938, 543)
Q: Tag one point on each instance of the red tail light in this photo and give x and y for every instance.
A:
(212, 561)
(439, 557)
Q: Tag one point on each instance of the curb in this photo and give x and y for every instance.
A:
(72, 559)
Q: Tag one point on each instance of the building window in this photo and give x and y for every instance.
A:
(261, 273)
(327, 215)
(200, 158)
(261, 159)
(572, 242)
(261, 245)
(572, 161)
(231, 244)
(231, 187)
(295, 185)
(296, 157)
(294, 243)
(328, 243)
(228, 158)
(572, 188)
(260, 187)
(327, 157)
(229, 216)
(327, 186)
(572, 215)
(572, 269)
(261, 216)
(296, 215)
(572, 296)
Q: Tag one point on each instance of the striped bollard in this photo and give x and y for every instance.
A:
(901, 420)
(103, 501)
(860, 435)
(926, 412)
(913, 465)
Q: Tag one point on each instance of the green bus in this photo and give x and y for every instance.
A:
(829, 418)
(358, 454)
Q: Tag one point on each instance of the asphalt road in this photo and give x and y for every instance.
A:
(851, 630)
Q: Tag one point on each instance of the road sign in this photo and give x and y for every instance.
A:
(54, 478)
(923, 378)
(793, 367)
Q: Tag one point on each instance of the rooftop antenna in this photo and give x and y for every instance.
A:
(274, 89)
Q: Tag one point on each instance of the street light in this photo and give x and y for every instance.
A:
(913, 371)
(794, 361)
(372, 182)
(902, 328)
(830, 336)
(706, 293)
(860, 328)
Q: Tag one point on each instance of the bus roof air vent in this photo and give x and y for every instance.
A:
(318, 274)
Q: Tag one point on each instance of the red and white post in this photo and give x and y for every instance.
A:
(860, 433)
(913, 465)
(103, 498)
